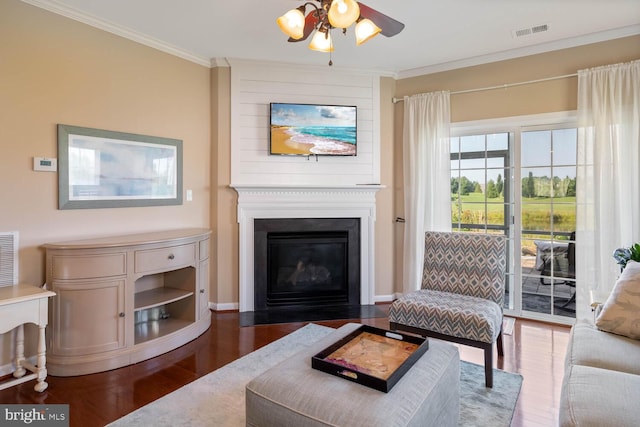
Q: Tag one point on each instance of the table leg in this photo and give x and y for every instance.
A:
(20, 371)
(41, 369)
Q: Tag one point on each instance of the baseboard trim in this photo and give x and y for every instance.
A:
(385, 298)
(226, 306)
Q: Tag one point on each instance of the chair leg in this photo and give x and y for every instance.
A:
(488, 359)
(488, 366)
(569, 301)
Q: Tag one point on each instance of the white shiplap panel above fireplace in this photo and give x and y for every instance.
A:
(254, 85)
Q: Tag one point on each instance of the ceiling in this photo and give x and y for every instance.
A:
(439, 34)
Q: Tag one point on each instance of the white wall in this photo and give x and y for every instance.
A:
(255, 84)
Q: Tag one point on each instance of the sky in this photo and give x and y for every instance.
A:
(312, 115)
(538, 151)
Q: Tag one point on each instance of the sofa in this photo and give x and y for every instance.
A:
(601, 383)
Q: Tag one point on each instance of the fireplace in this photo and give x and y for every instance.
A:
(257, 202)
(306, 262)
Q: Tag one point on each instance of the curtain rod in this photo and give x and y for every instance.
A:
(504, 86)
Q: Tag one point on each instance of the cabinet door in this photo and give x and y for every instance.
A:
(203, 289)
(88, 316)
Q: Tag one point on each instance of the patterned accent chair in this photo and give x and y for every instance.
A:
(461, 295)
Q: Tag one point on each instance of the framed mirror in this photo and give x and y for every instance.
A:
(105, 169)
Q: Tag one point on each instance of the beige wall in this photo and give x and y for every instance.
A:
(224, 271)
(385, 219)
(551, 96)
(56, 70)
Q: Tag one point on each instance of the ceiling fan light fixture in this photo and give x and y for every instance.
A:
(292, 23)
(330, 14)
(321, 42)
(343, 13)
(366, 30)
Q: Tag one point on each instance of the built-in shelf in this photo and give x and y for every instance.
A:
(153, 329)
(159, 296)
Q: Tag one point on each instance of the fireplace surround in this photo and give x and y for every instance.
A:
(306, 262)
(282, 202)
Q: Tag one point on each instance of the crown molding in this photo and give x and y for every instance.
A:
(219, 62)
(308, 67)
(617, 33)
(76, 15)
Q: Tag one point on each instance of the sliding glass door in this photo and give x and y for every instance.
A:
(520, 181)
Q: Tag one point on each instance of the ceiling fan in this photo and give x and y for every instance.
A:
(336, 14)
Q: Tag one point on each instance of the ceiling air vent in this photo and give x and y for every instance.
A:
(8, 258)
(529, 31)
(540, 28)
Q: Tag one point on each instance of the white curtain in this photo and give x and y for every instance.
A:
(426, 164)
(608, 178)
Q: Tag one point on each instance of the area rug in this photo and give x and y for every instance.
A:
(217, 399)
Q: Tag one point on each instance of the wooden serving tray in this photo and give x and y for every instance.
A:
(370, 356)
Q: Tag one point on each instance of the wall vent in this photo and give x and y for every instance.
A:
(8, 258)
(530, 31)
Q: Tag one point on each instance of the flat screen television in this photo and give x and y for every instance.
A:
(313, 129)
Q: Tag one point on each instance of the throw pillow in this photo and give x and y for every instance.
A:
(621, 312)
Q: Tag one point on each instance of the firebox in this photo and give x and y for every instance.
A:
(306, 262)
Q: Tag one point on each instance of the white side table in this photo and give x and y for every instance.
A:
(22, 304)
(597, 300)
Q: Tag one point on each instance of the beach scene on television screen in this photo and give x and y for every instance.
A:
(313, 129)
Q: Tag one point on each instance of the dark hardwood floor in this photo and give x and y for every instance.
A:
(536, 350)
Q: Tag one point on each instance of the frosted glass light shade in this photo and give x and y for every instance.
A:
(321, 42)
(366, 30)
(343, 13)
(292, 23)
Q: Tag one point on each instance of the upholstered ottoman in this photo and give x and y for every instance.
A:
(294, 394)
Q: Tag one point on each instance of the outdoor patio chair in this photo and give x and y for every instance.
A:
(461, 295)
(564, 267)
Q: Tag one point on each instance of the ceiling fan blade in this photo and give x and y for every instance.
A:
(310, 22)
(389, 26)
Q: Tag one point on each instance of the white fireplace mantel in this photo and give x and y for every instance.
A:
(353, 201)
